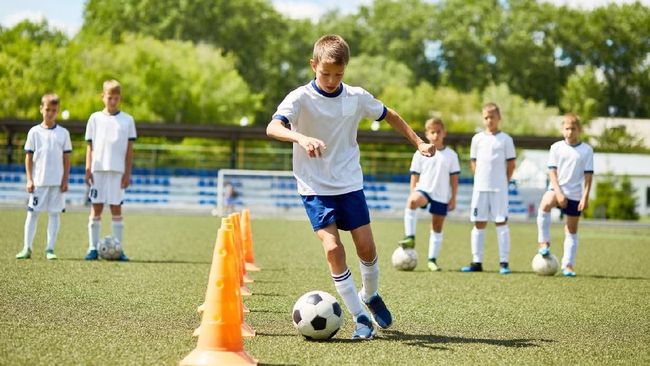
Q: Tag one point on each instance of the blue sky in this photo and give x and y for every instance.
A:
(67, 14)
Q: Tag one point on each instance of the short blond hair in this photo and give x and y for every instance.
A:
(571, 118)
(112, 87)
(49, 99)
(428, 125)
(331, 48)
(491, 107)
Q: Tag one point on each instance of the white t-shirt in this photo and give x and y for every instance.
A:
(48, 146)
(571, 164)
(110, 136)
(435, 172)
(491, 152)
(334, 119)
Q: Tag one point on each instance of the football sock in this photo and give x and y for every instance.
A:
(344, 284)
(30, 229)
(503, 238)
(435, 243)
(410, 221)
(118, 228)
(570, 249)
(478, 242)
(94, 227)
(543, 226)
(53, 224)
(369, 278)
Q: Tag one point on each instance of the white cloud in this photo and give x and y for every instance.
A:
(37, 16)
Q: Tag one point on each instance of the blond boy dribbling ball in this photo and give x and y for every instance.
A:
(321, 119)
(110, 134)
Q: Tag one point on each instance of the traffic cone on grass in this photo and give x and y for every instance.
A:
(247, 237)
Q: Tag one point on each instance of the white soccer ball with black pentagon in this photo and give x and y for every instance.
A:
(109, 248)
(317, 315)
(404, 259)
(545, 266)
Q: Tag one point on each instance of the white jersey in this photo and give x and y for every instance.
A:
(491, 152)
(110, 136)
(571, 162)
(334, 119)
(48, 146)
(435, 172)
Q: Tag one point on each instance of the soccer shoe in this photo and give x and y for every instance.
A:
(24, 254)
(363, 328)
(49, 254)
(568, 273)
(433, 266)
(473, 267)
(407, 243)
(379, 311)
(92, 255)
(544, 251)
(505, 269)
(123, 257)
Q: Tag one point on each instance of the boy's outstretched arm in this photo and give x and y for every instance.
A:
(278, 131)
(402, 127)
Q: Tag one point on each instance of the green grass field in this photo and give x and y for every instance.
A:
(143, 312)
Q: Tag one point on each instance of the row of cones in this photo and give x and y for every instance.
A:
(222, 325)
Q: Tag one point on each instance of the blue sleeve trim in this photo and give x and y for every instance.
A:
(67, 151)
(473, 159)
(589, 172)
(132, 138)
(90, 141)
(454, 173)
(415, 173)
(552, 167)
(29, 151)
(282, 118)
(383, 114)
(510, 159)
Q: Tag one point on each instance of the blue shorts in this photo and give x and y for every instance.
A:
(349, 211)
(435, 207)
(571, 208)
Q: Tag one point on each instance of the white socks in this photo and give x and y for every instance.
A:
(570, 249)
(53, 224)
(30, 229)
(369, 278)
(344, 284)
(435, 243)
(503, 238)
(94, 226)
(478, 243)
(543, 226)
(118, 228)
(410, 220)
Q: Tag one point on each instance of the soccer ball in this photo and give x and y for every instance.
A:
(317, 315)
(109, 248)
(405, 259)
(545, 266)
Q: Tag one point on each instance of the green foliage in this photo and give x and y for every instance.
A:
(613, 200)
(617, 139)
(583, 94)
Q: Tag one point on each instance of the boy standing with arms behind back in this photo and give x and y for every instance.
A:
(110, 134)
(47, 167)
(492, 155)
(321, 119)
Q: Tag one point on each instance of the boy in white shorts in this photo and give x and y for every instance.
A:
(571, 168)
(492, 155)
(434, 183)
(47, 166)
(110, 134)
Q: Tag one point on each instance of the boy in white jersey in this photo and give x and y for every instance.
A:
(492, 155)
(321, 119)
(434, 182)
(110, 134)
(571, 168)
(47, 166)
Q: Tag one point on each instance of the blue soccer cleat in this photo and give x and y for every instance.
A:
(92, 255)
(568, 273)
(363, 328)
(505, 269)
(544, 251)
(123, 257)
(473, 267)
(24, 254)
(379, 311)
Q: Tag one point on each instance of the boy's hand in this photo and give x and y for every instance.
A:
(89, 177)
(451, 205)
(126, 180)
(64, 185)
(561, 199)
(583, 204)
(313, 146)
(426, 149)
(29, 186)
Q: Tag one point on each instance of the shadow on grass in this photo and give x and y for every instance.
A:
(267, 311)
(436, 341)
(600, 277)
(170, 261)
(268, 294)
(331, 340)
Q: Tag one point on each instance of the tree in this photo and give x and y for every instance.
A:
(612, 202)
(617, 139)
(583, 94)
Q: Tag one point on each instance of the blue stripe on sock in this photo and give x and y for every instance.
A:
(342, 277)
(369, 264)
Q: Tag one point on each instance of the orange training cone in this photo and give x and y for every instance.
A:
(220, 341)
(240, 245)
(247, 237)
